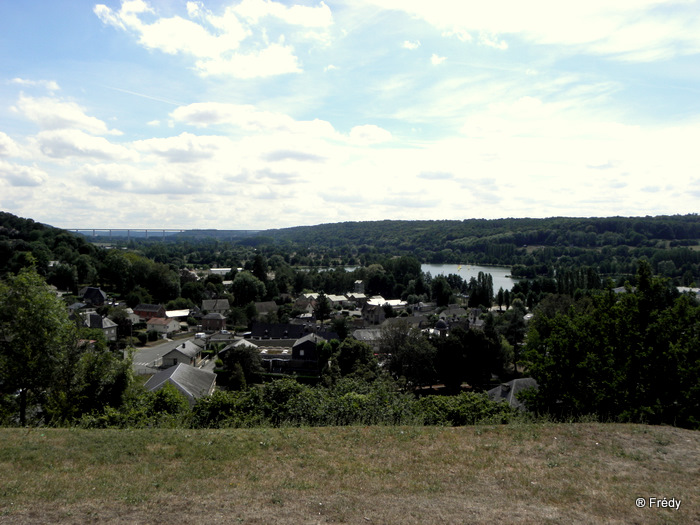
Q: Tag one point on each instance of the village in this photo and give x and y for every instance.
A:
(185, 347)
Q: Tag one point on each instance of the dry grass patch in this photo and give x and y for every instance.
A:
(522, 473)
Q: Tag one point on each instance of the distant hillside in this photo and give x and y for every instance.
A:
(440, 234)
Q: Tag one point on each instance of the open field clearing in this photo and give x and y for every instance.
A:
(519, 473)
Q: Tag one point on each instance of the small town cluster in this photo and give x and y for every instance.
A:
(180, 355)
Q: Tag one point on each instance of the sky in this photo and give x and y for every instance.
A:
(260, 114)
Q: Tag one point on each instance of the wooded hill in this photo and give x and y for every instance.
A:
(534, 247)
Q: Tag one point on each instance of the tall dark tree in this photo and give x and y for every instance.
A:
(322, 308)
(412, 356)
(246, 359)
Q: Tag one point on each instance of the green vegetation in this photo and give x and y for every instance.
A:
(631, 357)
(594, 352)
(50, 371)
(577, 473)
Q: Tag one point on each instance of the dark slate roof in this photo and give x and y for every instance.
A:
(147, 307)
(188, 348)
(214, 315)
(192, 382)
(279, 330)
(266, 306)
(215, 304)
(97, 321)
(94, 295)
(508, 391)
(310, 337)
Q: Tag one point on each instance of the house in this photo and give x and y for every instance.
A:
(304, 354)
(192, 382)
(265, 307)
(235, 344)
(149, 311)
(417, 321)
(373, 313)
(371, 336)
(336, 300)
(187, 353)
(279, 331)
(213, 322)
(97, 322)
(216, 306)
(73, 308)
(163, 325)
(92, 296)
(305, 305)
(357, 298)
(508, 391)
(453, 312)
(359, 287)
(132, 316)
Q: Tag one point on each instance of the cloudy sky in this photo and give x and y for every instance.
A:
(260, 114)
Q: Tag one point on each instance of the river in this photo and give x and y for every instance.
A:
(500, 274)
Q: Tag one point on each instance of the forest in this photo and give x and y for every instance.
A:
(597, 318)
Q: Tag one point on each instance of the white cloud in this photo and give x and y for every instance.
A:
(19, 175)
(249, 118)
(437, 60)
(276, 59)
(64, 143)
(49, 85)
(8, 147)
(491, 41)
(254, 10)
(407, 44)
(50, 114)
(643, 30)
(142, 180)
(435, 175)
(184, 148)
(369, 134)
(230, 44)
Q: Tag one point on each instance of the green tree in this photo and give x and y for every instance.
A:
(412, 354)
(322, 308)
(35, 333)
(356, 357)
(632, 356)
(243, 358)
(441, 291)
(247, 288)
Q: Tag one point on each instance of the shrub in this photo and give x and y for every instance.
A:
(467, 408)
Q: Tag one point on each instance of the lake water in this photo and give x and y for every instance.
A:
(500, 274)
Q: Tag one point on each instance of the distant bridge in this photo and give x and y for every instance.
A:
(126, 232)
(160, 233)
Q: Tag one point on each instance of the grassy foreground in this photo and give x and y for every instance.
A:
(519, 473)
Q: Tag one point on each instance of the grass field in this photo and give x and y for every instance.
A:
(519, 473)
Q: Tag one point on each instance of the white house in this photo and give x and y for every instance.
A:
(163, 325)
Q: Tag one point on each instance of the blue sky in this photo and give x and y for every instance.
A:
(260, 114)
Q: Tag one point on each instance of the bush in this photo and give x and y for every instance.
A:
(467, 408)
